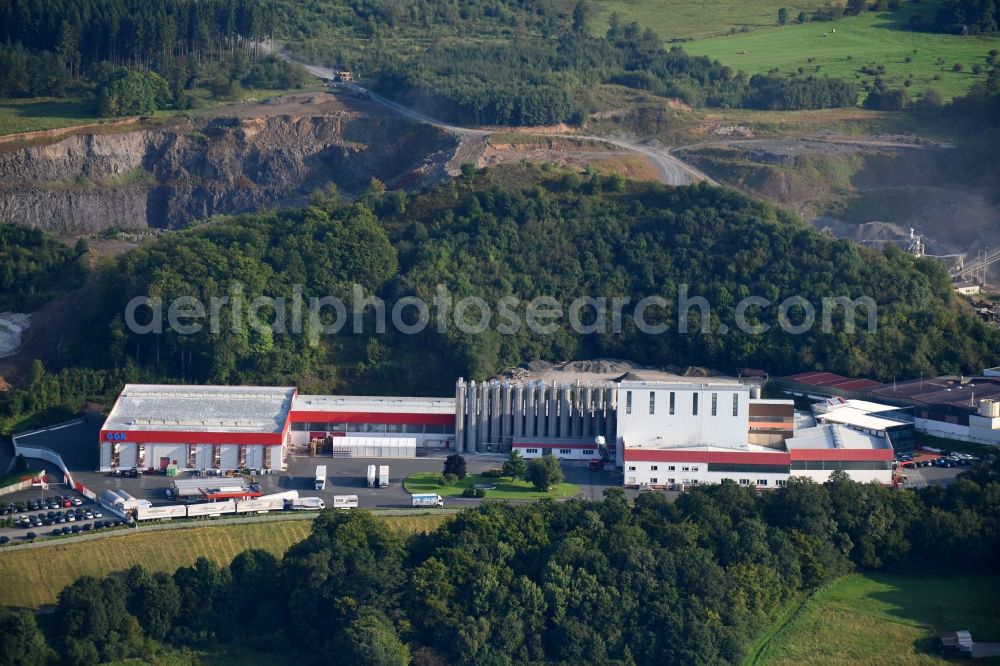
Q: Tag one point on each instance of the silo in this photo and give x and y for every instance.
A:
(588, 410)
(541, 402)
(599, 410)
(553, 407)
(484, 417)
(494, 436)
(460, 415)
(611, 417)
(564, 410)
(530, 398)
(576, 423)
(517, 410)
(505, 413)
(473, 416)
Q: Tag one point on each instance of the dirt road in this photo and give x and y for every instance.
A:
(672, 170)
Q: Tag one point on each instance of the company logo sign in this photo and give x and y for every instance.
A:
(114, 436)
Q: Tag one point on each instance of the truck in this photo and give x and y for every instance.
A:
(427, 499)
(305, 504)
(320, 477)
(371, 476)
(383, 476)
(345, 501)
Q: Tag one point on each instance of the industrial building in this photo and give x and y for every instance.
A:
(890, 422)
(658, 432)
(368, 426)
(963, 408)
(197, 427)
(684, 434)
(491, 416)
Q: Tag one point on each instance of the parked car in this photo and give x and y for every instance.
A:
(4, 540)
(30, 536)
(66, 530)
(77, 501)
(98, 514)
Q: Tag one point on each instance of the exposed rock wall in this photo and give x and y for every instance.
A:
(167, 177)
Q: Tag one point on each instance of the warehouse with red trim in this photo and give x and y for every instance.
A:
(158, 427)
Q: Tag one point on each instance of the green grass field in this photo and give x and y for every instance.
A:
(34, 577)
(427, 482)
(882, 619)
(868, 40)
(682, 19)
(46, 113)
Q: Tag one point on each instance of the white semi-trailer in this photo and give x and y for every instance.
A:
(345, 501)
(427, 499)
(260, 505)
(371, 476)
(306, 504)
(383, 476)
(320, 477)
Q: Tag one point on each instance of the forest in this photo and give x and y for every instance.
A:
(561, 235)
(961, 17)
(527, 65)
(34, 266)
(595, 582)
(60, 48)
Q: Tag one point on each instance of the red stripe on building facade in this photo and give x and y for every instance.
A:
(842, 454)
(372, 417)
(168, 437)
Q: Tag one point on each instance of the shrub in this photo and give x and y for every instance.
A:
(957, 67)
(493, 474)
(474, 492)
(448, 480)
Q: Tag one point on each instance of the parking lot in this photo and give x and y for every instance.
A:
(42, 512)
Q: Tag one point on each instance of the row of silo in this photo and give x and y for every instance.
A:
(490, 415)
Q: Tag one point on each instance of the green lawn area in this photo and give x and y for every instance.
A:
(870, 39)
(34, 577)
(883, 619)
(427, 482)
(684, 19)
(45, 113)
(42, 113)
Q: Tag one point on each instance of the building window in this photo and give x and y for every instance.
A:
(671, 480)
(565, 452)
(780, 483)
(654, 468)
(672, 402)
(736, 404)
(628, 402)
(761, 482)
(631, 468)
(671, 468)
(684, 469)
(531, 450)
(654, 480)
(694, 404)
(652, 402)
(715, 404)
(744, 482)
(588, 452)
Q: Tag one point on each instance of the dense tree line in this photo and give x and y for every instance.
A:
(607, 582)
(113, 49)
(961, 17)
(564, 239)
(33, 266)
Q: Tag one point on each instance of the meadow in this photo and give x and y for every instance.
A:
(34, 577)
(428, 482)
(881, 619)
(683, 19)
(843, 48)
